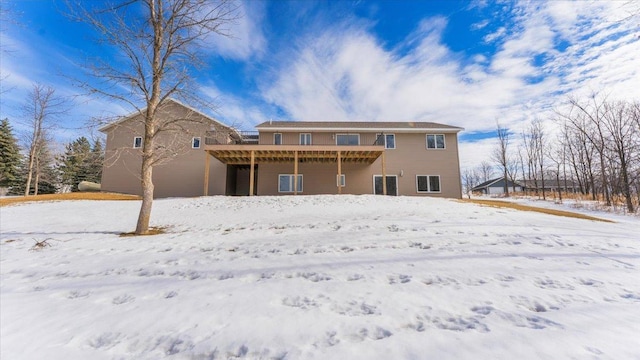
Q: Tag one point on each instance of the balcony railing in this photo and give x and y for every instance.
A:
(253, 138)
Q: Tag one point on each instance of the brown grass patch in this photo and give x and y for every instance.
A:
(153, 230)
(510, 205)
(68, 196)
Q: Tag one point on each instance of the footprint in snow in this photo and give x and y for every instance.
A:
(105, 340)
(123, 299)
(401, 279)
(482, 310)
(376, 334)
(328, 340)
(299, 302)
(458, 323)
(78, 294)
(170, 294)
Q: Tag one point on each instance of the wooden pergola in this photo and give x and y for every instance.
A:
(264, 154)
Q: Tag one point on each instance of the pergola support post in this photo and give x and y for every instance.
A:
(207, 157)
(252, 172)
(339, 173)
(295, 172)
(384, 175)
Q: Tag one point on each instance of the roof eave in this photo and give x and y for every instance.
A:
(386, 129)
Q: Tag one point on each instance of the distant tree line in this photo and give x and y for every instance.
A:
(596, 153)
(31, 166)
(81, 161)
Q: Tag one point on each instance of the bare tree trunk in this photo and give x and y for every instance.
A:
(32, 159)
(144, 216)
(37, 179)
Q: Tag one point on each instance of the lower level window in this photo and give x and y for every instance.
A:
(428, 183)
(195, 143)
(285, 183)
(341, 180)
(137, 142)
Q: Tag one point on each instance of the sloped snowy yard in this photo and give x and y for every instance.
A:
(316, 277)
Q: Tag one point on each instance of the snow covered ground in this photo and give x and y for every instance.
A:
(316, 277)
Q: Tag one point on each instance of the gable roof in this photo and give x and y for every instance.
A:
(407, 126)
(488, 183)
(169, 100)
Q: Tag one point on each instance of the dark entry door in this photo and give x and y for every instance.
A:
(392, 185)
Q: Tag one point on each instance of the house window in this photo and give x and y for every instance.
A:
(435, 141)
(341, 180)
(195, 143)
(389, 141)
(305, 139)
(285, 183)
(277, 139)
(137, 142)
(428, 183)
(347, 139)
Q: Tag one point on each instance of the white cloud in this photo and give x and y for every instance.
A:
(246, 35)
(346, 73)
(234, 111)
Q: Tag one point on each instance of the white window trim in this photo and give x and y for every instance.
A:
(444, 141)
(429, 185)
(134, 142)
(397, 184)
(274, 138)
(344, 134)
(341, 180)
(193, 140)
(291, 176)
(303, 135)
(385, 141)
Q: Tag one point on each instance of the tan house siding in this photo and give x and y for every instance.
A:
(409, 159)
(180, 176)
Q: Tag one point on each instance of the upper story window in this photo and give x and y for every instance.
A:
(435, 141)
(195, 143)
(277, 139)
(347, 139)
(305, 139)
(389, 141)
(137, 142)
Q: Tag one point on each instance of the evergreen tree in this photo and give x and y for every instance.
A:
(97, 160)
(80, 162)
(45, 176)
(10, 157)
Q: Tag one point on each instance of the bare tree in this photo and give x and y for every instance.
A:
(470, 179)
(587, 117)
(160, 43)
(40, 110)
(620, 129)
(557, 155)
(501, 155)
(537, 129)
(485, 169)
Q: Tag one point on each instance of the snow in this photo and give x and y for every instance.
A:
(316, 277)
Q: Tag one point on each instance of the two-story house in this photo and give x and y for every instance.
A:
(286, 157)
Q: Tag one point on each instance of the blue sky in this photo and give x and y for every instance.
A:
(463, 63)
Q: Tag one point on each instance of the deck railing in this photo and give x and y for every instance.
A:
(253, 138)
